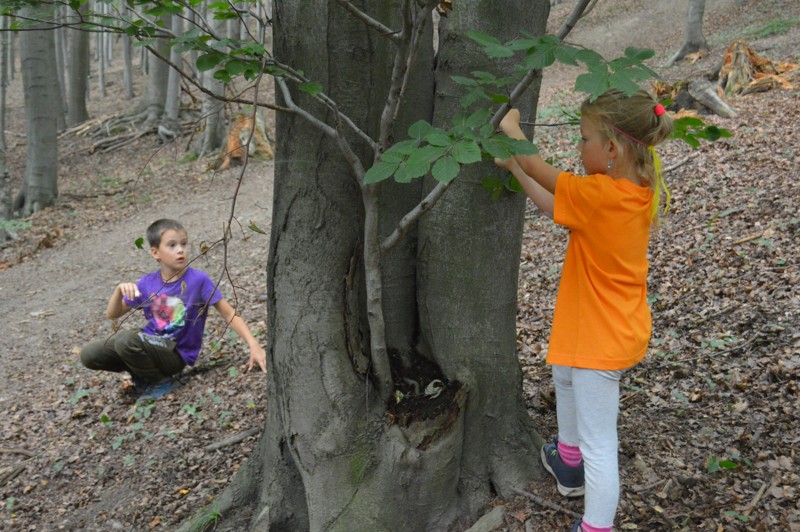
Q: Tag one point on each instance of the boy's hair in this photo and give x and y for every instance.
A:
(157, 228)
(635, 125)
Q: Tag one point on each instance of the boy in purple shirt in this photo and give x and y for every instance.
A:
(175, 300)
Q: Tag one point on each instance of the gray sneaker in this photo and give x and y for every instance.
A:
(569, 480)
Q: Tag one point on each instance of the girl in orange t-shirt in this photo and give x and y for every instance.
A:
(601, 324)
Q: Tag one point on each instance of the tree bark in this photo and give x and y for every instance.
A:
(213, 110)
(157, 80)
(78, 75)
(170, 128)
(42, 107)
(693, 38)
(334, 455)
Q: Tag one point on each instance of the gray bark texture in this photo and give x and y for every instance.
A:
(42, 109)
(213, 110)
(693, 38)
(157, 79)
(78, 75)
(333, 455)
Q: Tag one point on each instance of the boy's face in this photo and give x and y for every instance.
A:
(171, 252)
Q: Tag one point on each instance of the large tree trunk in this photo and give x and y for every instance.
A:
(693, 38)
(334, 455)
(468, 266)
(42, 108)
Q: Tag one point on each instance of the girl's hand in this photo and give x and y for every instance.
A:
(510, 122)
(509, 164)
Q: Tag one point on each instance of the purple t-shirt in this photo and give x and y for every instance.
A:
(177, 310)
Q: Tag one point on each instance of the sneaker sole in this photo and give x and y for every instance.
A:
(563, 490)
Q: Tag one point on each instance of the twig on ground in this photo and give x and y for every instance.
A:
(236, 438)
(11, 475)
(757, 498)
(547, 504)
(5, 450)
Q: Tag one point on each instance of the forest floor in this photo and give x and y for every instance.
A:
(708, 424)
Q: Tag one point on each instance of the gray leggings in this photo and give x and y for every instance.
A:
(150, 358)
(587, 404)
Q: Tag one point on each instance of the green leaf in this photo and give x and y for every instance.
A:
(437, 137)
(623, 83)
(461, 80)
(379, 171)
(478, 118)
(208, 61)
(483, 39)
(419, 129)
(639, 54)
(592, 84)
(446, 169)
(498, 52)
(484, 77)
(431, 153)
(417, 165)
(314, 89)
(567, 55)
(513, 185)
(139, 242)
(256, 229)
(540, 57)
(466, 152)
(393, 157)
(589, 57)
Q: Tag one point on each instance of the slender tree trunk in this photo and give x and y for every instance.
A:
(169, 128)
(693, 38)
(157, 80)
(5, 181)
(334, 455)
(213, 110)
(42, 109)
(78, 74)
(127, 75)
(101, 64)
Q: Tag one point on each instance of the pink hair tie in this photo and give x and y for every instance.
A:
(659, 109)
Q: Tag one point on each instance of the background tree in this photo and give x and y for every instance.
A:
(42, 109)
(693, 38)
(77, 74)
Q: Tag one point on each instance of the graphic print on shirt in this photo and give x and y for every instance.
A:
(169, 313)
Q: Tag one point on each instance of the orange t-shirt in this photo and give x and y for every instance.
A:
(602, 320)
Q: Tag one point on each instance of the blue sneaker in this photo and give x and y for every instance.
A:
(569, 480)
(576, 526)
(155, 390)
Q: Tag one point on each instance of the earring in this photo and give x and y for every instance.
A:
(610, 164)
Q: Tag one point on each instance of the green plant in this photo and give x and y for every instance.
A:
(777, 26)
(206, 519)
(715, 464)
(80, 394)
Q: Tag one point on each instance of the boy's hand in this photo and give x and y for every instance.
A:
(257, 356)
(129, 290)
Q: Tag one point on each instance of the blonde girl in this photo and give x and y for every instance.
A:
(601, 324)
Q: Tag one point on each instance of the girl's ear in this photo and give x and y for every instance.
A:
(613, 149)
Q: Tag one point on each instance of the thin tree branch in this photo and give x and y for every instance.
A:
(369, 21)
(438, 191)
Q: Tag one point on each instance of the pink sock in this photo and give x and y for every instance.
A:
(569, 454)
(590, 528)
